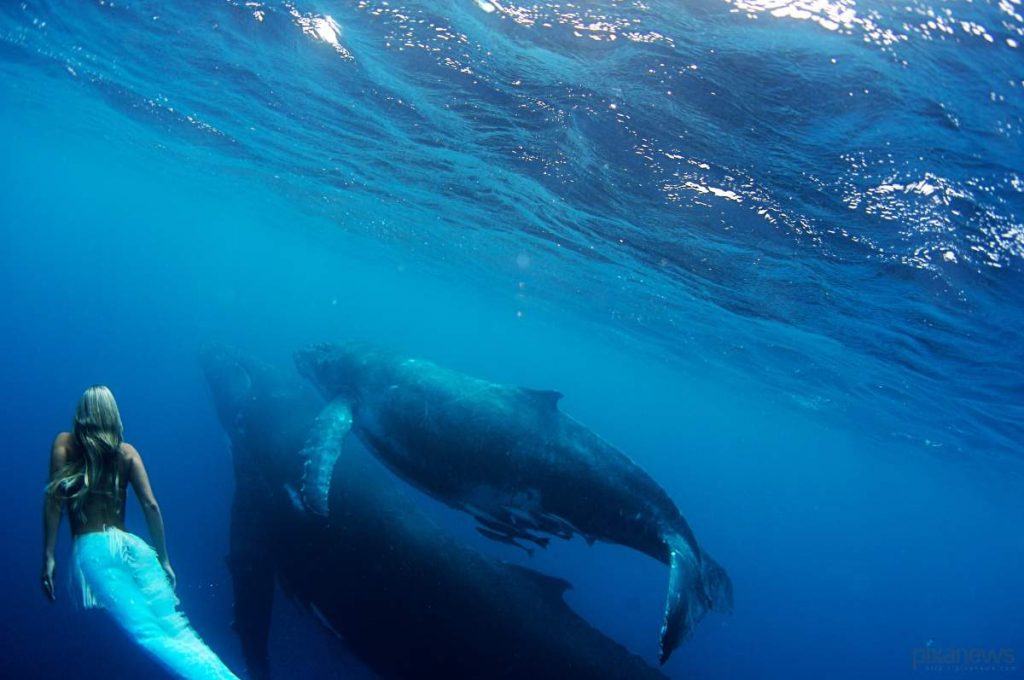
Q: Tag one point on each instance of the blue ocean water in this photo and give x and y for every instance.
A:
(772, 250)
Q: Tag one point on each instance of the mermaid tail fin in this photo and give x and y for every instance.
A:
(123, 575)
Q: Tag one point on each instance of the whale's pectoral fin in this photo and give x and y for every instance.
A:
(323, 446)
(253, 569)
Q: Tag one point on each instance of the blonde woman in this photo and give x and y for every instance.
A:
(90, 470)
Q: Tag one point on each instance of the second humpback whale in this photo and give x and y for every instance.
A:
(508, 456)
(407, 599)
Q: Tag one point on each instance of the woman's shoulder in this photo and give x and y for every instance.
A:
(63, 448)
(64, 440)
(128, 457)
(128, 452)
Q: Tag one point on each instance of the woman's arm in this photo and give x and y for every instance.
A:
(52, 514)
(154, 520)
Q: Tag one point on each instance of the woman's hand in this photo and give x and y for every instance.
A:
(48, 566)
(166, 564)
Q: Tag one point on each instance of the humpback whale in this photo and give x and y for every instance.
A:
(508, 456)
(406, 598)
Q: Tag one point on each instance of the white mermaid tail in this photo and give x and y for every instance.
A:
(120, 572)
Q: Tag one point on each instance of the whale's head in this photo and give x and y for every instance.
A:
(231, 380)
(335, 369)
(266, 412)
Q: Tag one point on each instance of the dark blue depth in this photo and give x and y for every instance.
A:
(773, 252)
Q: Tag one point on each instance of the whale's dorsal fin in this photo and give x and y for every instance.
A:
(551, 585)
(546, 398)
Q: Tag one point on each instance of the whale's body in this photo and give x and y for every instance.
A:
(407, 599)
(511, 458)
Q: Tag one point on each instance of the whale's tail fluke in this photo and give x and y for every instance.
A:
(717, 584)
(696, 584)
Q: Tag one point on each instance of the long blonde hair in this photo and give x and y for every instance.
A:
(98, 431)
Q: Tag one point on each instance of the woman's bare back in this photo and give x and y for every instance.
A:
(100, 510)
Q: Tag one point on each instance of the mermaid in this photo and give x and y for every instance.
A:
(90, 470)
